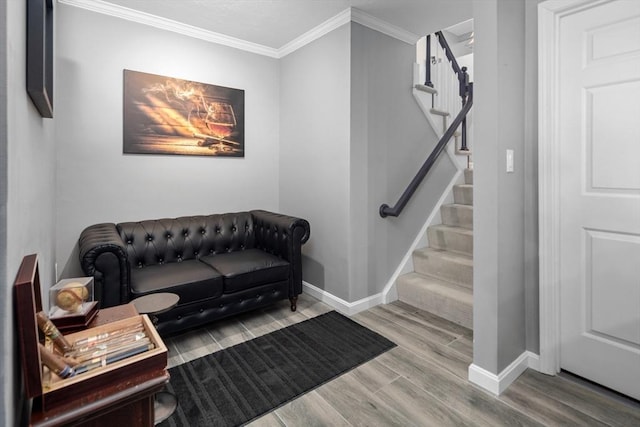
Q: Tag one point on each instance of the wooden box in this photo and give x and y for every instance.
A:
(71, 323)
(48, 390)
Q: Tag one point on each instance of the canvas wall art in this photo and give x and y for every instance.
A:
(164, 115)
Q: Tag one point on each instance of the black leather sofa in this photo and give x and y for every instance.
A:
(218, 265)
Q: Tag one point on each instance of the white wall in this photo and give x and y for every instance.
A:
(97, 183)
(27, 196)
(315, 154)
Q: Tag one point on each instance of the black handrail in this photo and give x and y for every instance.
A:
(448, 52)
(385, 210)
(463, 82)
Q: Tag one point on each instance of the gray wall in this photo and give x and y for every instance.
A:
(390, 139)
(505, 217)
(314, 154)
(332, 165)
(27, 195)
(531, 266)
(347, 110)
(97, 183)
(7, 348)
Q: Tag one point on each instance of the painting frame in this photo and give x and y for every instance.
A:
(171, 116)
(40, 55)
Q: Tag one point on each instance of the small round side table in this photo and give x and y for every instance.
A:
(153, 304)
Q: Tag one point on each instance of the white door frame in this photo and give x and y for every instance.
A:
(549, 15)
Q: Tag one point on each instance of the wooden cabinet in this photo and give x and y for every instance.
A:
(114, 394)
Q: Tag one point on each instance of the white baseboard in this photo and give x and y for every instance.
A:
(344, 307)
(534, 361)
(390, 293)
(496, 384)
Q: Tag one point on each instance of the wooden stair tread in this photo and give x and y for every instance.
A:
(425, 88)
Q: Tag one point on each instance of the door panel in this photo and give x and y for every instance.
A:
(611, 287)
(615, 39)
(599, 112)
(609, 143)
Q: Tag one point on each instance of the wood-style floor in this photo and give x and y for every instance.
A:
(421, 382)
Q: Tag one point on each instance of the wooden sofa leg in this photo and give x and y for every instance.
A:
(294, 301)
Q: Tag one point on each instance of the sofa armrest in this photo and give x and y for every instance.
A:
(283, 235)
(103, 256)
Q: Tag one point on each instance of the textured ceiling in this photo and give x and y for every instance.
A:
(274, 23)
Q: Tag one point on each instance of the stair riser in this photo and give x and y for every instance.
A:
(445, 269)
(424, 298)
(457, 216)
(468, 176)
(450, 241)
(463, 195)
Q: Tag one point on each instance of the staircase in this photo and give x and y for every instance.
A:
(442, 282)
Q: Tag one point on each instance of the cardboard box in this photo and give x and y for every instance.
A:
(50, 391)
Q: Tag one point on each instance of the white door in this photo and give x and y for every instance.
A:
(599, 133)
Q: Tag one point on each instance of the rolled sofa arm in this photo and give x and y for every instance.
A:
(283, 235)
(103, 256)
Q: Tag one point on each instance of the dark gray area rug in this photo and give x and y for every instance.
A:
(234, 386)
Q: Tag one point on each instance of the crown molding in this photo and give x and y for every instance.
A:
(144, 18)
(351, 14)
(383, 27)
(344, 17)
(326, 27)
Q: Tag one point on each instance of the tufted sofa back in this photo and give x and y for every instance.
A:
(177, 239)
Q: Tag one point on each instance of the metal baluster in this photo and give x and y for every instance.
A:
(464, 91)
(427, 80)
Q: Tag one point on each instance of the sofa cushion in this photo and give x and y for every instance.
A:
(191, 280)
(248, 268)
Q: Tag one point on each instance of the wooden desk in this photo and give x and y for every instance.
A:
(129, 403)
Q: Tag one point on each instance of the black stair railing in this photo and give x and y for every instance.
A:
(466, 94)
(386, 210)
(447, 51)
(463, 81)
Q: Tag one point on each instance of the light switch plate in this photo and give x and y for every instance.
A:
(510, 161)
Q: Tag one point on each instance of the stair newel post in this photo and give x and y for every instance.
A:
(427, 80)
(463, 78)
